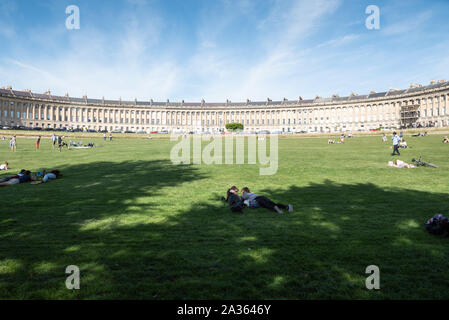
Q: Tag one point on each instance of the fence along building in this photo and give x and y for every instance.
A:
(415, 106)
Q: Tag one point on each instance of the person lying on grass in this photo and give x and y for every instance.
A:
(46, 176)
(252, 200)
(4, 166)
(23, 176)
(13, 177)
(233, 199)
(400, 164)
(445, 139)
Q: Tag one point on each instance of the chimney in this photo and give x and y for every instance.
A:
(299, 98)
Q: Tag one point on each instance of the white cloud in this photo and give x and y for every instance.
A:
(339, 41)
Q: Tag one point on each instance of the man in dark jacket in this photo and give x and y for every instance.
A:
(234, 200)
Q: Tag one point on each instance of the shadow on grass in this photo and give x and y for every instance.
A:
(320, 251)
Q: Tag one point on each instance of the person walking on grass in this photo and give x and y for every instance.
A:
(38, 141)
(396, 139)
(59, 143)
(104, 137)
(255, 201)
(13, 143)
(53, 140)
(110, 137)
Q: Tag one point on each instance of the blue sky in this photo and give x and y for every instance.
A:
(221, 49)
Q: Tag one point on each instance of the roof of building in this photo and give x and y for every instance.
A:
(268, 102)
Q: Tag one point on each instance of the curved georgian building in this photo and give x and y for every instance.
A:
(415, 106)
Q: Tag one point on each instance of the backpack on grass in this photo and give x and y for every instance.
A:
(438, 225)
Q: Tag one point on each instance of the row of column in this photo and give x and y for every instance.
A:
(431, 106)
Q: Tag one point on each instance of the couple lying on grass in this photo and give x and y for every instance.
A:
(26, 176)
(252, 200)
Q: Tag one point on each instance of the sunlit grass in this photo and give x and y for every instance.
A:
(141, 228)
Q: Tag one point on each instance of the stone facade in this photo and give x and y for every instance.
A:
(417, 105)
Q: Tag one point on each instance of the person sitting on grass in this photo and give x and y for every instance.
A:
(445, 139)
(330, 141)
(403, 144)
(20, 178)
(4, 166)
(252, 200)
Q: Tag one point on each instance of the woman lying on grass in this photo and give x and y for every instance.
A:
(234, 200)
(252, 200)
(44, 176)
(21, 177)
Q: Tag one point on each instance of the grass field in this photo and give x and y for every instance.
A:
(140, 227)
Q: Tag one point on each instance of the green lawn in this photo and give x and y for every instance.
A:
(139, 227)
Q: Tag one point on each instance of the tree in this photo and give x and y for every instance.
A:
(234, 126)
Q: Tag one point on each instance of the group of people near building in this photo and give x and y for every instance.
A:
(57, 141)
(251, 200)
(27, 176)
